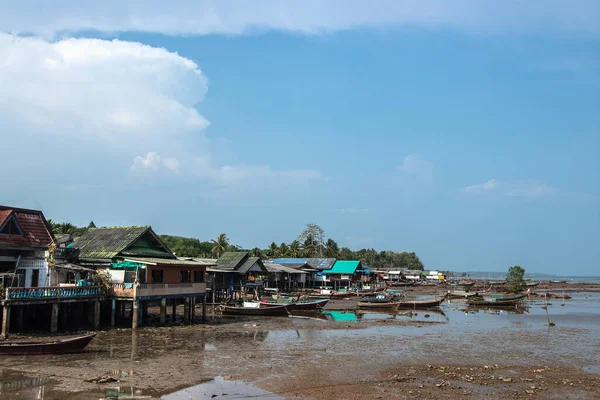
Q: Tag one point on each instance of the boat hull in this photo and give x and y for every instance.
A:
(270, 311)
(60, 346)
(421, 303)
(361, 304)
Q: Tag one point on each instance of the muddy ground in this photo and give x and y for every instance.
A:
(466, 356)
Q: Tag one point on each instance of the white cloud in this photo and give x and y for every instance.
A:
(229, 175)
(115, 90)
(304, 16)
(529, 189)
(152, 162)
(415, 166)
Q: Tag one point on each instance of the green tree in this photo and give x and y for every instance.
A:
(295, 250)
(91, 225)
(284, 250)
(65, 228)
(220, 245)
(313, 238)
(273, 250)
(332, 249)
(514, 279)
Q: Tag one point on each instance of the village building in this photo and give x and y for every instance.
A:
(285, 278)
(235, 274)
(312, 265)
(142, 269)
(32, 294)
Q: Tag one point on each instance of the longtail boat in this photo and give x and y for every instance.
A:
(387, 305)
(421, 303)
(57, 346)
(461, 294)
(273, 310)
(300, 305)
(466, 284)
(497, 300)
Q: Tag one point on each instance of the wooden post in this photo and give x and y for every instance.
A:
(54, 318)
(64, 317)
(204, 308)
(192, 309)
(186, 310)
(20, 310)
(123, 310)
(113, 312)
(96, 314)
(5, 321)
(163, 311)
(135, 314)
(174, 305)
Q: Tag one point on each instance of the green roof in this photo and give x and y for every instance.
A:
(107, 243)
(343, 267)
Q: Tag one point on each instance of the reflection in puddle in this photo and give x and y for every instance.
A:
(220, 388)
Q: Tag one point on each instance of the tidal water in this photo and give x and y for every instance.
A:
(454, 334)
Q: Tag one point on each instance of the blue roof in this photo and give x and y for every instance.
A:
(316, 263)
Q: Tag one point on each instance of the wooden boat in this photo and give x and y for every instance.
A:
(401, 284)
(532, 284)
(461, 294)
(387, 305)
(497, 300)
(382, 298)
(465, 284)
(271, 310)
(421, 303)
(300, 305)
(57, 346)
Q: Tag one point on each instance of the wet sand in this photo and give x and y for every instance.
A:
(462, 353)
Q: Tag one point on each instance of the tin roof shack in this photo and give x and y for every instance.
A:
(30, 277)
(312, 265)
(236, 274)
(142, 269)
(413, 274)
(345, 273)
(24, 241)
(285, 278)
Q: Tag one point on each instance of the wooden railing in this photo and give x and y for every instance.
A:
(51, 292)
(132, 290)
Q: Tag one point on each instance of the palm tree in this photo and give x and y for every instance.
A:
(257, 252)
(295, 249)
(284, 250)
(64, 228)
(331, 249)
(220, 244)
(273, 250)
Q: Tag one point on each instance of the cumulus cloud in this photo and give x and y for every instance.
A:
(152, 162)
(111, 89)
(304, 16)
(416, 166)
(529, 189)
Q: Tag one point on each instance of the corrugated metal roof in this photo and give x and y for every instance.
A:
(271, 267)
(343, 268)
(164, 261)
(231, 260)
(109, 242)
(317, 263)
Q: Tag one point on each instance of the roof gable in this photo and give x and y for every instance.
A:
(231, 260)
(111, 242)
(343, 267)
(24, 228)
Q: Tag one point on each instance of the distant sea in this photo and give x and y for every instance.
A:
(534, 277)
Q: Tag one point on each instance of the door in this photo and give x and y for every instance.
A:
(35, 278)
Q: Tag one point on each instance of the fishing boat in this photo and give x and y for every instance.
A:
(401, 283)
(497, 300)
(465, 284)
(255, 309)
(386, 305)
(300, 305)
(421, 303)
(57, 346)
(461, 294)
(380, 298)
(532, 284)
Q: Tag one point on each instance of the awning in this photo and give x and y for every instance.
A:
(74, 267)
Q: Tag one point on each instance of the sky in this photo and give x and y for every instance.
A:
(467, 132)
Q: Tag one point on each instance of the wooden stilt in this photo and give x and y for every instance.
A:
(163, 311)
(113, 312)
(96, 314)
(135, 314)
(5, 321)
(186, 311)
(54, 318)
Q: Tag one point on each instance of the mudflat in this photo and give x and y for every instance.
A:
(454, 352)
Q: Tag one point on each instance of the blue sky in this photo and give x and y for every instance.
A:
(469, 135)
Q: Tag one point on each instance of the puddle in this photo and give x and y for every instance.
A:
(219, 388)
(592, 369)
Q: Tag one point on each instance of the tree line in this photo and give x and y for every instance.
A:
(310, 243)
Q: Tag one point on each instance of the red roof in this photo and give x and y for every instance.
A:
(33, 225)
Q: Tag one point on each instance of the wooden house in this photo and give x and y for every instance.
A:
(236, 274)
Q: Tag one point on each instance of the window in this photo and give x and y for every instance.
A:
(198, 276)
(157, 276)
(11, 227)
(185, 276)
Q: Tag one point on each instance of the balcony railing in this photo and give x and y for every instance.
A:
(51, 292)
(132, 290)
